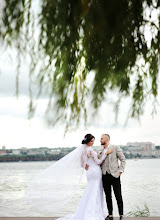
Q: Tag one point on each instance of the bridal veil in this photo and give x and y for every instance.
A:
(50, 190)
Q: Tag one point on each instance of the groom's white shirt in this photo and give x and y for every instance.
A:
(105, 149)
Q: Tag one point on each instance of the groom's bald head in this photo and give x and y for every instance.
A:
(107, 136)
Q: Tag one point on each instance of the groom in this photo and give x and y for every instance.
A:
(111, 172)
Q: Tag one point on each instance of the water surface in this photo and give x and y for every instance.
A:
(140, 185)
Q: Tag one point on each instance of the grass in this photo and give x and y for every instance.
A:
(139, 212)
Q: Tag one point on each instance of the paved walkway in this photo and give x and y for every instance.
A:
(53, 218)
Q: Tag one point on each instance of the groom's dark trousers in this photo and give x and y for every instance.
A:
(108, 182)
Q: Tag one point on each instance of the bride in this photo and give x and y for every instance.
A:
(55, 186)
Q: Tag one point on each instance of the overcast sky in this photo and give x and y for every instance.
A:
(17, 131)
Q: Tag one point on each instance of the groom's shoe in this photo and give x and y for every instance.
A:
(109, 218)
(121, 217)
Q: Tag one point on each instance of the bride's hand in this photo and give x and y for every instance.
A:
(109, 151)
(86, 167)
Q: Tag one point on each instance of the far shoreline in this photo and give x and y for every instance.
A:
(24, 161)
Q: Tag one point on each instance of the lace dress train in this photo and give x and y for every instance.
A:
(91, 205)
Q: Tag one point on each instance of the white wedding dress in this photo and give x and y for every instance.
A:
(91, 205)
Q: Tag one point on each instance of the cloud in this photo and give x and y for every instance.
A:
(16, 131)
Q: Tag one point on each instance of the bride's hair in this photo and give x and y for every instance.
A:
(87, 138)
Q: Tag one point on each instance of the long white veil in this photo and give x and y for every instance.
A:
(55, 186)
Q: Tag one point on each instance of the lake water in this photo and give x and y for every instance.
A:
(140, 185)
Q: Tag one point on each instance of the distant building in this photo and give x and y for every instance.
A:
(55, 151)
(141, 145)
(3, 152)
(23, 149)
(35, 152)
(3, 148)
(15, 152)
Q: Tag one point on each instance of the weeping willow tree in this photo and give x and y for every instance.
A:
(67, 40)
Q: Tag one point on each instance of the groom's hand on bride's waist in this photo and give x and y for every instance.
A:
(86, 167)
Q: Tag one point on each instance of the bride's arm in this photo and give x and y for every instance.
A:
(83, 164)
(84, 159)
(92, 153)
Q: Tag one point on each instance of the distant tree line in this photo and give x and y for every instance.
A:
(36, 157)
(132, 156)
(158, 147)
(50, 157)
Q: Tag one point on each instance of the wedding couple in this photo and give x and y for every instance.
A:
(103, 172)
(54, 188)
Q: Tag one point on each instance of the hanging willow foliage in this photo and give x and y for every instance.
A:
(72, 38)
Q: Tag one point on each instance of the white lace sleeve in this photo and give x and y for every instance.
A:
(84, 158)
(92, 153)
